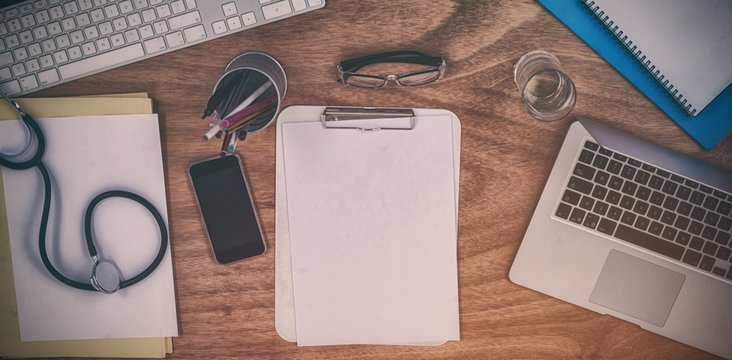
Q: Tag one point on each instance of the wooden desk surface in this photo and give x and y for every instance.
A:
(228, 311)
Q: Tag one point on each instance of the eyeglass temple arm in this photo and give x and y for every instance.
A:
(410, 57)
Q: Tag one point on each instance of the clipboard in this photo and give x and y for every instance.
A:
(337, 119)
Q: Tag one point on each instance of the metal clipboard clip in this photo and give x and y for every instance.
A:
(367, 119)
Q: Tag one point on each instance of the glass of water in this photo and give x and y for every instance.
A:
(547, 92)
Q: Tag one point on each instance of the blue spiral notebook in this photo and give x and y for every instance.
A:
(709, 127)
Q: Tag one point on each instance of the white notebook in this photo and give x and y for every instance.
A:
(686, 45)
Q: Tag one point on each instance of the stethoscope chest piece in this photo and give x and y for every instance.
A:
(106, 276)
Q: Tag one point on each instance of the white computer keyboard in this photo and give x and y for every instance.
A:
(48, 42)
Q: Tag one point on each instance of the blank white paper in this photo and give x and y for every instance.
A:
(87, 156)
(373, 233)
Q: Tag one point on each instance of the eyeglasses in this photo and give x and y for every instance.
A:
(348, 70)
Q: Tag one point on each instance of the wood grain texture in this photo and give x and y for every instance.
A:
(228, 311)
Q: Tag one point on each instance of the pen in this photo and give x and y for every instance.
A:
(215, 99)
(245, 121)
(250, 98)
(232, 143)
(225, 144)
(248, 111)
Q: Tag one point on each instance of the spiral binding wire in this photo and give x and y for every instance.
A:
(638, 55)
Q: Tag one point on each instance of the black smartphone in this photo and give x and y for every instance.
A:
(227, 209)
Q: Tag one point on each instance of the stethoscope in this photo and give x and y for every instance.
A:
(106, 276)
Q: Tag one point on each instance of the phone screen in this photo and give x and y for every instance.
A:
(227, 209)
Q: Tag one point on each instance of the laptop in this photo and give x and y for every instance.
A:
(628, 228)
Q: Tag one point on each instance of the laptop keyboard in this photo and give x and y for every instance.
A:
(663, 212)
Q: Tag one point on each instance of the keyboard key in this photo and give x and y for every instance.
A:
(586, 156)
(571, 197)
(670, 203)
(177, 6)
(175, 39)
(620, 157)
(655, 212)
(696, 197)
(709, 233)
(591, 220)
(711, 219)
(698, 213)
(711, 203)
(10, 87)
(640, 207)
(684, 208)
(606, 152)
(629, 188)
(614, 213)
(627, 202)
(28, 83)
(219, 27)
(614, 167)
(706, 189)
(109, 58)
(587, 203)
(628, 218)
(184, 20)
(729, 273)
(668, 217)
(642, 177)
(677, 178)
(577, 215)
(48, 77)
(613, 197)
(563, 210)
(154, 45)
(724, 253)
(234, 23)
(584, 171)
(710, 248)
(683, 238)
(248, 19)
(683, 192)
(655, 228)
(277, 9)
(669, 187)
(5, 74)
(649, 242)
(724, 208)
(628, 172)
(669, 233)
(707, 263)
(599, 192)
(600, 208)
(600, 162)
(60, 56)
(718, 271)
(602, 177)
(696, 227)
(642, 223)
(163, 11)
(580, 185)
(606, 226)
(194, 33)
(692, 257)
(725, 223)
(592, 146)
(634, 162)
(696, 243)
(681, 222)
(615, 182)
(655, 182)
(723, 238)
(643, 193)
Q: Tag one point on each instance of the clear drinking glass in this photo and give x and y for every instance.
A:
(547, 92)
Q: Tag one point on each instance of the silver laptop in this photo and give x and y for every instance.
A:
(627, 228)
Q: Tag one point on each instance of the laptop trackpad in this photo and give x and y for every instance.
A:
(637, 288)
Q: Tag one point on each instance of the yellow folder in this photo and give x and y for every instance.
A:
(10, 344)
